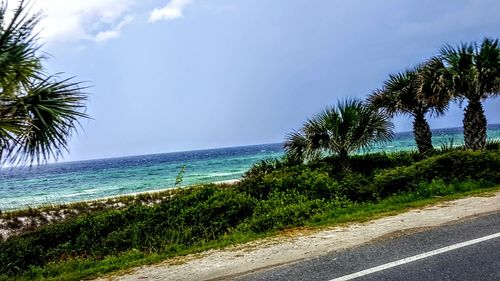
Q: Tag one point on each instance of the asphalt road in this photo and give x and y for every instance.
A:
(474, 262)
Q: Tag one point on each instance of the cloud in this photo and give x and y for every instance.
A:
(173, 10)
(114, 32)
(106, 35)
(94, 20)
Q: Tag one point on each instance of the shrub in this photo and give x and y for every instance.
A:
(367, 163)
(441, 188)
(493, 144)
(358, 188)
(313, 184)
(452, 166)
(281, 210)
(449, 145)
(370, 162)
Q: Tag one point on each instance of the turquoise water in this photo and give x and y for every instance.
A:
(85, 180)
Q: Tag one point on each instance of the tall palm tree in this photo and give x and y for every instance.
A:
(340, 130)
(473, 74)
(38, 112)
(415, 92)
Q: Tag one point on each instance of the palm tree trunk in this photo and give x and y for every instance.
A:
(422, 133)
(474, 126)
(345, 166)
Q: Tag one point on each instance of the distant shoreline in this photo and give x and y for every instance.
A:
(124, 195)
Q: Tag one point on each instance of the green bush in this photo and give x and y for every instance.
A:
(440, 187)
(367, 163)
(493, 144)
(358, 188)
(371, 162)
(452, 166)
(281, 210)
(314, 184)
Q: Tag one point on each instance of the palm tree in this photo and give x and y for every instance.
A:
(416, 92)
(38, 112)
(340, 130)
(473, 74)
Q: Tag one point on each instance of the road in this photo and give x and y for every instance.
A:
(409, 257)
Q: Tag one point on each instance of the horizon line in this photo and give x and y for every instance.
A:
(200, 149)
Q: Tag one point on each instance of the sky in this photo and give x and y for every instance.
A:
(174, 75)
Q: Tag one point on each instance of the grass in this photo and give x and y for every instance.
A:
(78, 269)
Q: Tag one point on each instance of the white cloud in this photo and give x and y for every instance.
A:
(173, 10)
(95, 20)
(106, 35)
(113, 33)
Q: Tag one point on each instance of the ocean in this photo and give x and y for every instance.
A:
(66, 182)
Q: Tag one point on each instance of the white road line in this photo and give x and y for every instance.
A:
(414, 258)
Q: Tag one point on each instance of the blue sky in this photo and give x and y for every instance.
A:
(182, 75)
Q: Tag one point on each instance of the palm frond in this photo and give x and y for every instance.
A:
(384, 101)
(52, 109)
(38, 113)
(399, 94)
(341, 130)
(487, 60)
(459, 63)
(433, 86)
(295, 145)
(18, 59)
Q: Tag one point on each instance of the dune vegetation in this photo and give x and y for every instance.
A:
(327, 176)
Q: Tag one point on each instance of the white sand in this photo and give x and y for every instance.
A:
(307, 244)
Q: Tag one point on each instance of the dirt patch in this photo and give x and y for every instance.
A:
(297, 245)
